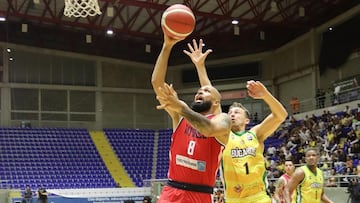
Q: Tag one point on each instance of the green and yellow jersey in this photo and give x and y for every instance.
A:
(311, 187)
(243, 169)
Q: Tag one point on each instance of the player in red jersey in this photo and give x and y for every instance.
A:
(200, 134)
(279, 195)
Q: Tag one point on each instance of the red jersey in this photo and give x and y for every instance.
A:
(194, 158)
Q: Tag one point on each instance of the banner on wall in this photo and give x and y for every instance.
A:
(136, 199)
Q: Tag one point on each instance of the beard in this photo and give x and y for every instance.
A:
(200, 107)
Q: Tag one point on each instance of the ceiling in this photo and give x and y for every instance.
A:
(137, 23)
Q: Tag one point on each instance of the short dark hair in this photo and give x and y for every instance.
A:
(311, 149)
(147, 198)
(288, 160)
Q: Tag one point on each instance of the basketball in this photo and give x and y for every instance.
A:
(178, 21)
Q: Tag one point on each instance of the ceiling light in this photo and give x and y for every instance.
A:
(11, 58)
(330, 28)
(2, 18)
(8, 50)
(109, 32)
(234, 22)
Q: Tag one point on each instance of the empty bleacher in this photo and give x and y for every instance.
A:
(135, 150)
(51, 157)
(162, 162)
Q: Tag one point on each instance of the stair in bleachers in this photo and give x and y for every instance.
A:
(51, 157)
(110, 158)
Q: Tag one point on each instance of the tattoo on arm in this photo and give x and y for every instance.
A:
(280, 183)
(225, 121)
(197, 120)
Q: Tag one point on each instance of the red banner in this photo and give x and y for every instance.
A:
(233, 94)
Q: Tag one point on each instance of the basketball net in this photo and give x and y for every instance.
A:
(81, 8)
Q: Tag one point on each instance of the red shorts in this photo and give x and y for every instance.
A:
(174, 195)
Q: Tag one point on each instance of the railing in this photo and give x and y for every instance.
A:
(334, 181)
(314, 103)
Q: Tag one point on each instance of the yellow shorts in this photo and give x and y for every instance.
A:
(260, 197)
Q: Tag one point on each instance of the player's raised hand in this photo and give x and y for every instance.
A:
(196, 52)
(256, 89)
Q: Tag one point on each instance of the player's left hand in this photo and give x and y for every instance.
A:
(256, 89)
(168, 99)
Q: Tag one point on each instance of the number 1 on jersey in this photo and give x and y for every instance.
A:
(246, 168)
(191, 147)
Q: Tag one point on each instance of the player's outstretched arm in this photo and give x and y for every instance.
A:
(160, 68)
(198, 58)
(161, 65)
(279, 185)
(278, 113)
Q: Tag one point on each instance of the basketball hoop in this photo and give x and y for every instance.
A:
(81, 8)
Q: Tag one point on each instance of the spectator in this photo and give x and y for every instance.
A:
(349, 162)
(322, 98)
(354, 190)
(332, 96)
(336, 95)
(146, 199)
(331, 182)
(355, 123)
(295, 105)
(28, 195)
(317, 98)
(219, 196)
(42, 195)
(348, 171)
(324, 156)
(291, 144)
(304, 135)
(347, 109)
(354, 171)
(271, 150)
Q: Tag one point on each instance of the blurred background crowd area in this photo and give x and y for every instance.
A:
(335, 134)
